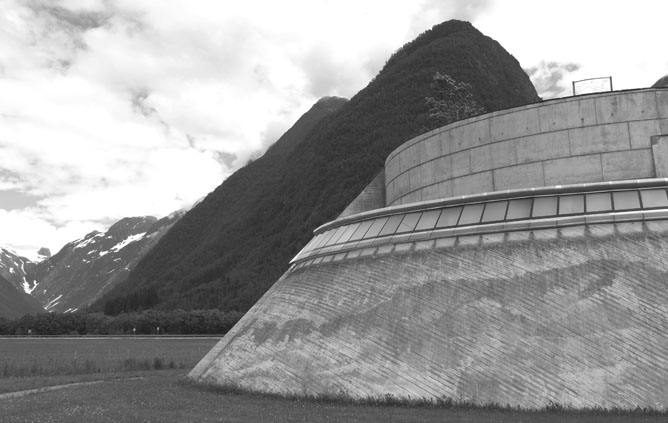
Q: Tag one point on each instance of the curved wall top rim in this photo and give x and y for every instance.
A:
(485, 116)
(496, 195)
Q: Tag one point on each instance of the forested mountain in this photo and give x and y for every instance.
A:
(14, 302)
(228, 250)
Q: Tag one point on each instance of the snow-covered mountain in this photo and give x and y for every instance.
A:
(84, 269)
(14, 269)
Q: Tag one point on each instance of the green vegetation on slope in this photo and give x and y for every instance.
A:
(228, 250)
(14, 303)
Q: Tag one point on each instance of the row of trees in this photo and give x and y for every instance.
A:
(146, 322)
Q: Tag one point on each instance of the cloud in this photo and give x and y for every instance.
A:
(112, 108)
(550, 78)
(432, 12)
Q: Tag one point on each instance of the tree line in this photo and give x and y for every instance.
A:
(145, 322)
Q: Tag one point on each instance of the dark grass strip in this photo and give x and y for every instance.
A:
(390, 400)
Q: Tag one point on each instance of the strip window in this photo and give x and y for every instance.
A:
(449, 217)
(598, 202)
(361, 230)
(495, 212)
(471, 214)
(334, 239)
(519, 209)
(571, 204)
(652, 198)
(376, 227)
(409, 221)
(625, 200)
(392, 224)
(348, 233)
(428, 220)
(544, 207)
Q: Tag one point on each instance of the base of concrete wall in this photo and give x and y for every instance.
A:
(576, 316)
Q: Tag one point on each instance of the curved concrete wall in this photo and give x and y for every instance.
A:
(573, 315)
(593, 138)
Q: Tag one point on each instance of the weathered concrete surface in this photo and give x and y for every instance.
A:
(576, 316)
(660, 154)
(371, 198)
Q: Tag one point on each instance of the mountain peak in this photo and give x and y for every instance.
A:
(230, 248)
(331, 101)
(132, 225)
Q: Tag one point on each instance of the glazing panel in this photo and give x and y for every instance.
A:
(571, 204)
(428, 220)
(449, 217)
(336, 235)
(471, 214)
(495, 211)
(626, 200)
(326, 237)
(519, 209)
(375, 228)
(391, 225)
(598, 202)
(348, 233)
(409, 222)
(361, 230)
(654, 198)
(312, 244)
(544, 206)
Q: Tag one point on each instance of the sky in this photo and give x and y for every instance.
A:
(117, 108)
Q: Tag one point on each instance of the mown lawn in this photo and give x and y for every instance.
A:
(161, 397)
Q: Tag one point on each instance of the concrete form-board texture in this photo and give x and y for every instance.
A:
(574, 315)
(372, 197)
(592, 138)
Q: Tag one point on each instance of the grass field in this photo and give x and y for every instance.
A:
(22, 357)
(117, 394)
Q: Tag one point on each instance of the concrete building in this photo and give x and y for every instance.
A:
(518, 257)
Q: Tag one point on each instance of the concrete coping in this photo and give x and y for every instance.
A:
(496, 195)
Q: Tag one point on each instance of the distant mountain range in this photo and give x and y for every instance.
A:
(81, 271)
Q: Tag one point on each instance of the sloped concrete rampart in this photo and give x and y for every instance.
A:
(591, 138)
(575, 315)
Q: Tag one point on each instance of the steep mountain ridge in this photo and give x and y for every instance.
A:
(15, 268)
(230, 248)
(87, 268)
(81, 271)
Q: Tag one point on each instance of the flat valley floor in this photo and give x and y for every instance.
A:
(164, 396)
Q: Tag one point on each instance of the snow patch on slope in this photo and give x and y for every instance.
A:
(124, 243)
(53, 303)
(86, 241)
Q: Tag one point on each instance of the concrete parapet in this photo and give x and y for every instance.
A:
(570, 139)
